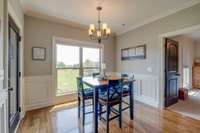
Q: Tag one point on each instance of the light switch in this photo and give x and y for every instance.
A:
(149, 69)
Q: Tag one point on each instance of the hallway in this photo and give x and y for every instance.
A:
(190, 107)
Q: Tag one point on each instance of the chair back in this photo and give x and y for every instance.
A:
(124, 75)
(114, 89)
(95, 74)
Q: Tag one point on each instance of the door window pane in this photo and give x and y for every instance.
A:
(67, 56)
(68, 67)
(66, 81)
(91, 57)
(13, 72)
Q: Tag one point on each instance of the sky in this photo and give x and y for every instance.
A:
(70, 54)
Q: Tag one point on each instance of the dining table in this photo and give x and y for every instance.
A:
(97, 84)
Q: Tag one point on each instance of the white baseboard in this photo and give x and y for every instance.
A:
(148, 101)
(37, 105)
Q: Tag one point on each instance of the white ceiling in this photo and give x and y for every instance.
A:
(132, 13)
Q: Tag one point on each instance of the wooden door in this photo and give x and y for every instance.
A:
(171, 72)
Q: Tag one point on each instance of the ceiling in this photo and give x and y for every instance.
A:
(132, 13)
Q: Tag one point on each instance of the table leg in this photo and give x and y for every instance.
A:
(131, 101)
(96, 94)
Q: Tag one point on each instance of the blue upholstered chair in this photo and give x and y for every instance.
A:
(95, 74)
(126, 90)
(83, 95)
(109, 98)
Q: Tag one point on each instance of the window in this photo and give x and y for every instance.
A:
(91, 61)
(74, 61)
(67, 68)
(186, 77)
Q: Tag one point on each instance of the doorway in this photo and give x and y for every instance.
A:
(13, 75)
(171, 72)
(188, 102)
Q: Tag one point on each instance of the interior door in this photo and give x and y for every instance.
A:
(171, 72)
(13, 75)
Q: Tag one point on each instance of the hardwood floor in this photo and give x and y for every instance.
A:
(63, 119)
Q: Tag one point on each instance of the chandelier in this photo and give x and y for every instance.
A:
(102, 32)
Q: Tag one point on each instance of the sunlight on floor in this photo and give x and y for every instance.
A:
(194, 93)
(62, 106)
(189, 107)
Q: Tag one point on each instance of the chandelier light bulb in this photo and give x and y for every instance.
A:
(98, 33)
(108, 31)
(92, 27)
(90, 32)
(104, 26)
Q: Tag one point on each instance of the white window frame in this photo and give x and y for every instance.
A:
(186, 77)
(68, 42)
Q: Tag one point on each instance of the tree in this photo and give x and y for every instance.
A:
(61, 65)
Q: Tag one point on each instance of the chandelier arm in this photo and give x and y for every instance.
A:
(99, 34)
(93, 37)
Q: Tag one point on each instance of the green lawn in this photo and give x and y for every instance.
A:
(66, 80)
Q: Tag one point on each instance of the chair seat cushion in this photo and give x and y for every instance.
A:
(88, 92)
(125, 89)
(103, 96)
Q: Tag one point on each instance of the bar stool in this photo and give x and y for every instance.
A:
(83, 95)
(111, 97)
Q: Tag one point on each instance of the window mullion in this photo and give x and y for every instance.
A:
(81, 61)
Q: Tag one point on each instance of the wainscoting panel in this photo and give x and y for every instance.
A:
(3, 105)
(146, 89)
(3, 112)
(1, 78)
(38, 91)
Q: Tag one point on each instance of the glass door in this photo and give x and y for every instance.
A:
(71, 62)
(68, 68)
(91, 61)
(13, 75)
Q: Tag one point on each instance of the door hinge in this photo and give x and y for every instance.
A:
(20, 109)
(20, 74)
(20, 38)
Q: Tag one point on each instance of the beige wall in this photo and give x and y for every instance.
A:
(149, 34)
(2, 41)
(186, 56)
(197, 50)
(39, 32)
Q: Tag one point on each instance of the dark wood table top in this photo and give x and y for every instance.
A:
(92, 81)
